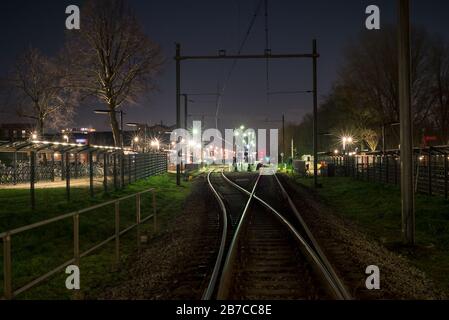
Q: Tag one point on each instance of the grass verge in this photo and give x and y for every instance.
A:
(38, 251)
(376, 209)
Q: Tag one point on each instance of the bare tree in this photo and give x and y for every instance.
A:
(370, 137)
(440, 71)
(365, 96)
(369, 78)
(37, 89)
(112, 59)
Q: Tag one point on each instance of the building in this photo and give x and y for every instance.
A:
(150, 138)
(76, 135)
(101, 138)
(16, 131)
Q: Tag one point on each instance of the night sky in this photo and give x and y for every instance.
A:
(204, 27)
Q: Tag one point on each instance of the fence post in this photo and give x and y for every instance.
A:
(7, 267)
(375, 165)
(153, 164)
(122, 169)
(362, 174)
(76, 239)
(374, 171)
(366, 165)
(445, 176)
(381, 168)
(53, 167)
(15, 169)
(367, 169)
(387, 172)
(138, 210)
(62, 166)
(91, 174)
(350, 166)
(354, 166)
(429, 164)
(395, 171)
(76, 165)
(67, 178)
(32, 179)
(138, 218)
(154, 211)
(129, 169)
(117, 233)
(135, 168)
(114, 171)
(76, 247)
(105, 172)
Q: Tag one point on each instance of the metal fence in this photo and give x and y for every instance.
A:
(136, 166)
(431, 170)
(10, 292)
(26, 164)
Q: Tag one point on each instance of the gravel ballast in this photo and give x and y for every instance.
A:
(351, 252)
(175, 264)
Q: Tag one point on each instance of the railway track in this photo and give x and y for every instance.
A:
(266, 250)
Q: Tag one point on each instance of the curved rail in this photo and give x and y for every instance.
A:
(232, 252)
(317, 256)
(207, 295)
(315, 244)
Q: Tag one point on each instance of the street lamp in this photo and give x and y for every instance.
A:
(138, 127)
(155, 143)
(346, 141)
(135, 142)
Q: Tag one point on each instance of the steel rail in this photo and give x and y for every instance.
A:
(344, 292)
(224, 287)
(207, 295)
(332, 279)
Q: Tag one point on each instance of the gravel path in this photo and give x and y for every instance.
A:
(351, 252)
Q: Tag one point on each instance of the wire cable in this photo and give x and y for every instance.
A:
(267, 47)
(234, 62)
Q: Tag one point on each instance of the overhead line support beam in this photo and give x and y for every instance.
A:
(223, 56)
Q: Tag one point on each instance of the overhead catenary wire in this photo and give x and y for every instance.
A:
(234, 62)
(267, 48)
